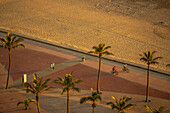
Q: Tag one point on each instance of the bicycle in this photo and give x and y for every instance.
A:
(115, 72)
(125, 69)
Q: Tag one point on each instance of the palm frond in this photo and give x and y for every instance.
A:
(129, 106)
(35, 76)
(94, 47)
(82, 100)
(29, 86)
(148, 57)
(13, 40)
(30, 99)
(148, 109)
(107, 53)
(90, 98)
(31, 91)
(145, 55)
(68, 83)
(76, 89)
(149, 54)
(57, 81)
(108, 103)
(114, 106)
(101, 46)
(98, 97)
(115, 100)
(19, 45)
(153, 52)
(154, 62)
(143, 59)
(127, 98)
(120, 104)
(71, 72)
(16, 41)
(45, 82)
(39, 82)
(64, 90)
(107, 47)
(9, 37)
(94, 93)
(46, 89)
(3, 40)
(157, 58)
(78, 81)
(160, 109)
(93, 98)
(91, 52)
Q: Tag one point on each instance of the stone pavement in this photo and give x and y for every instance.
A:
(37, 59)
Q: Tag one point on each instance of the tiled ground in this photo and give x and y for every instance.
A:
(27, 61)
(108, 81)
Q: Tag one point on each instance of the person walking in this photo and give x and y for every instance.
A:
(52, 66)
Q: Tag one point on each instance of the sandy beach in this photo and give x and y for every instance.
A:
(129, 26)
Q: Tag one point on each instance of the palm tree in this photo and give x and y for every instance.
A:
(120, 104)
(100, 50)
(68, 84)
(38, 87)
(148, 58)
(26, 103)
(154, 111)
(10, 42)
(94, 98)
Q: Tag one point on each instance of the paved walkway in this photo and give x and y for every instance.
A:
(37, 59)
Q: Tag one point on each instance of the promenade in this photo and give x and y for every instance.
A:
(37, 57)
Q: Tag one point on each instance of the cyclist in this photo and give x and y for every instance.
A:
(125, 68)
(113, 69)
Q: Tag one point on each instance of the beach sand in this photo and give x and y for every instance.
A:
(128, 26)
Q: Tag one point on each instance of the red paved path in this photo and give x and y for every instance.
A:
(27, 61)
(108, 81)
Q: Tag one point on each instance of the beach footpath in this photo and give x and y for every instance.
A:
(37, 57)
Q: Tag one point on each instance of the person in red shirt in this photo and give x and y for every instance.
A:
(114, 69)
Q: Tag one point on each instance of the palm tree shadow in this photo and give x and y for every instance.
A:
(13, 110)
(137, 101)
(73, 61)
(167, 111)
(17, 86)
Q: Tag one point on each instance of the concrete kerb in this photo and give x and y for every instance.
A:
(67, 47)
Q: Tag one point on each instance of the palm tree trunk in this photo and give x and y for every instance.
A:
(147, 87)
(93, 109)
(9, 68)
(93, 105)
(67, 100)
(37, 99)
(98, 79)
